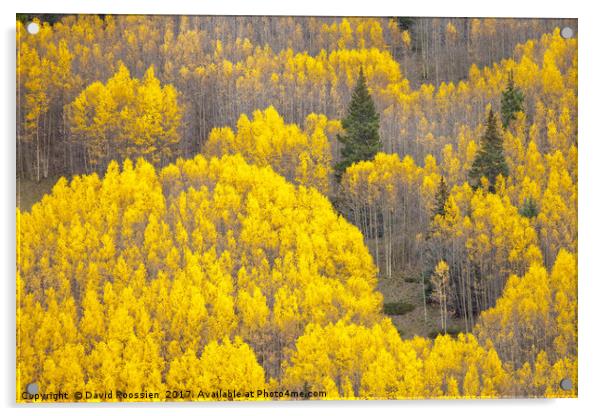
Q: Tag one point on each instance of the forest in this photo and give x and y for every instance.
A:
(376, 208)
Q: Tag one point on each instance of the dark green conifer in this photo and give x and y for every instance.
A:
(360, 140)
(440, 198)
(490, 161)
(529, 208)
(512, 102)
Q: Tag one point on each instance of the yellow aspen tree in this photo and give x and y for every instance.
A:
(440, 280)
(230, 365)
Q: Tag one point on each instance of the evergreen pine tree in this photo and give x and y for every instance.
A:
(490, 161)
(405, 23)
(361, 140)
(512, 102)
(440, 198)
(529, 208)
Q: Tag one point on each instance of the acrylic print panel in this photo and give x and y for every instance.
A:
(287, 208)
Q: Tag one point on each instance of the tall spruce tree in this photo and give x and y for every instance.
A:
(490, 161)
(512, 101)
(360, 140)
(440, 199)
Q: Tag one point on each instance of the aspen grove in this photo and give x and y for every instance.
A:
(207, 229)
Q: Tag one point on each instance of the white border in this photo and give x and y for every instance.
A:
(590, 179)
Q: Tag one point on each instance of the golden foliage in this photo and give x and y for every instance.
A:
(233, 271)
(126, 118)
(144, 270)
(303, 157)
